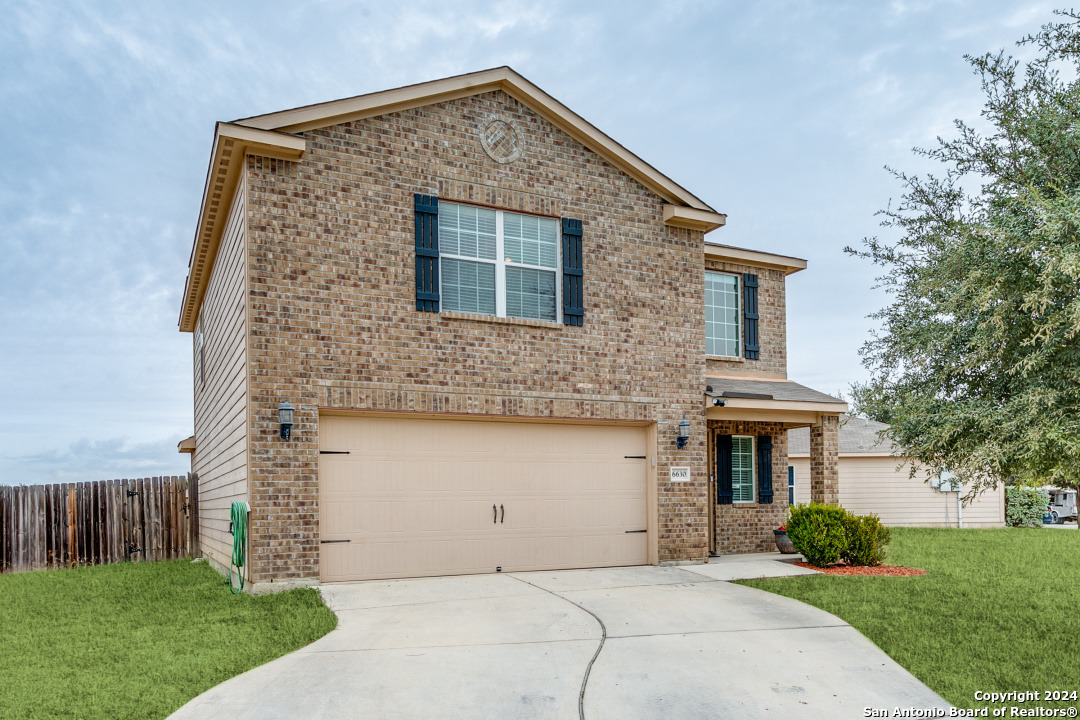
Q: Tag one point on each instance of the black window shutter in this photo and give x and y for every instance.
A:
(750, 316)
(764, 468)
(573, 306)
(723, 470)
(427, 253)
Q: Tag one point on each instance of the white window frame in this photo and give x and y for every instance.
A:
(753, 470)
(738, 317)
(501, 262)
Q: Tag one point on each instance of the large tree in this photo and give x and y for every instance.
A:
(976, 364)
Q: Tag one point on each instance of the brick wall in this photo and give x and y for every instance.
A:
(772, 321)
(748, 527)
(824, 461)
(333, 323)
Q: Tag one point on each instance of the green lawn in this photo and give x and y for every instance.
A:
(996, 610)
(137, 640)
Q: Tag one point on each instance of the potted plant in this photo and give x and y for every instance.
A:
(783, 542)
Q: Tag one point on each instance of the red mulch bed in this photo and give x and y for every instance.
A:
(880, 570)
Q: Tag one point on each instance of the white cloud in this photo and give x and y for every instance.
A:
(89, 460)
(781, 114)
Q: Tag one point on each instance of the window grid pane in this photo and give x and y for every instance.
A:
(530, 240)
(467, 231)
(468, 286)
(721, 314)
(530, 293)
(742, 469)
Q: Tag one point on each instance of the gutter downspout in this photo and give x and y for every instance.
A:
(959, 511)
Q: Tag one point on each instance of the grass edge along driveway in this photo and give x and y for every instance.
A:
(137, 640)
(996, 610)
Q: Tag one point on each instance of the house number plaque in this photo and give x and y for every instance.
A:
(680, 474)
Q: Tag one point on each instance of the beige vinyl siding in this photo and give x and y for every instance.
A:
(221, 403)
(880, 485)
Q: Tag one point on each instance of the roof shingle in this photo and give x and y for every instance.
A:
(765, 390)
(857, 435)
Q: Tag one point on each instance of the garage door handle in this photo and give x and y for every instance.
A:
(327, 542)
(495, 517)
(503, 513)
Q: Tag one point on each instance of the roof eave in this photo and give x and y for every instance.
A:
(786, 263)
(232, 143)
(500, 78)
(692, 218)
(762, 404)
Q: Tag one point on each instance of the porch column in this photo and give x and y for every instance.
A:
(824, 466)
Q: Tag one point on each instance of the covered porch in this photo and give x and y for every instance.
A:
(747, 423)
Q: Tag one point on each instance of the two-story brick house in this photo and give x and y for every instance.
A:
(508, 344)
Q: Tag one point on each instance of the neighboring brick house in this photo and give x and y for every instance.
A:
(491, 319)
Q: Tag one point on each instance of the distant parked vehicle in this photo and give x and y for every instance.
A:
(1062, 506)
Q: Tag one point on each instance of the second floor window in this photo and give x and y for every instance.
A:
(494, 262)
(721, 314)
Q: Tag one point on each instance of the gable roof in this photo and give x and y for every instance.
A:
(856, 435)
(502, 78)
(272, 135)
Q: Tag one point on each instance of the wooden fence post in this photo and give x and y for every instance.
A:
(193, 514)
(94, 523)
(5, 528)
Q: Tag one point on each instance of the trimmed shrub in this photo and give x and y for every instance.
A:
(866, 540)
(1025, 506)
(817, 531)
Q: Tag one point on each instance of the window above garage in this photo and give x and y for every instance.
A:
(495, 262)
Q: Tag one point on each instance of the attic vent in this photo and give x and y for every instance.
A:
(501, 140)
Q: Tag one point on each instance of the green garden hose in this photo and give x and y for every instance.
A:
(239, 517)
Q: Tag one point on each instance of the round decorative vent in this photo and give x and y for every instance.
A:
(501, 140)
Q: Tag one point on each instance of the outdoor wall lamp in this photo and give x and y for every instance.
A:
(285, 413)
(718, 402)
(684, 433)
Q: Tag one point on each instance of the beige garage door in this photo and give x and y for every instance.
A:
(408, 497)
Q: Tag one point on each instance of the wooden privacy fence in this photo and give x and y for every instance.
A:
(95, 523)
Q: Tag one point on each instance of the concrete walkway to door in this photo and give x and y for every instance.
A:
(616, 643)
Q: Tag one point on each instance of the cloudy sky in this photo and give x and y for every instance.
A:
(781, 114)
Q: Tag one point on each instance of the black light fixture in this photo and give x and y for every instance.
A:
(684, 433)
(285, 413)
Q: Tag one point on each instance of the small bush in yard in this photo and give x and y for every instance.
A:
(866, 539)
(817, 531)
(1025, 506)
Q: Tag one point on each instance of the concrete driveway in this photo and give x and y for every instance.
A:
(637, 642)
